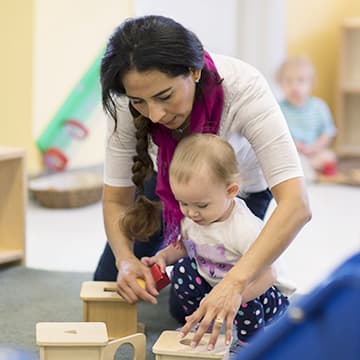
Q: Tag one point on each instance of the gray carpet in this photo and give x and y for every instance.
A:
(28, 296)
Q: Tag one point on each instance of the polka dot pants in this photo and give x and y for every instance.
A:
(190, 287)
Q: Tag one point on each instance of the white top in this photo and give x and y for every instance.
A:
(218, 246)
(251, 121)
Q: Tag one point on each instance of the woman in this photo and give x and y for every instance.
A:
(158, 85)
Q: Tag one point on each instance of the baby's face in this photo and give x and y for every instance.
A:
(201, 199)
(296, 82)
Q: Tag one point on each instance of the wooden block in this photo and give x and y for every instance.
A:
(161, 279)
(170, 347)
(83, 341)
(71, 341)
(101, 303)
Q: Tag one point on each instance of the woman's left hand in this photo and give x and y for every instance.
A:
(219, 308)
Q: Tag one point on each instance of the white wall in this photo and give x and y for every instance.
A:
(68, 36)
(252, 30)
(207, 18)
(261, 35)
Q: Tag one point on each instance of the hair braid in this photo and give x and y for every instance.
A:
(144, 218)
(142, 163)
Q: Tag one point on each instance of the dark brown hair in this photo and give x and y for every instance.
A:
(146, 43)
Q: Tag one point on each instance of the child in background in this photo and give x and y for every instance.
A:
(308, 117)
(217, 229)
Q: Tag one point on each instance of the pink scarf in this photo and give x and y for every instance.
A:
(205, 118)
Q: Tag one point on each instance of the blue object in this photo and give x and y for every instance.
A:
(324, 324)
(11, 353)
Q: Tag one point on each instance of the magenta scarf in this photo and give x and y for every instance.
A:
(205, 118)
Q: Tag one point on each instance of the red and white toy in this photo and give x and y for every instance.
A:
(161, 279)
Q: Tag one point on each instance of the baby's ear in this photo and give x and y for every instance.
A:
(232, 190)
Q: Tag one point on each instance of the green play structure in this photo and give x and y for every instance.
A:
(69, 123)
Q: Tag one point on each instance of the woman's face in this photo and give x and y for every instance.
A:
(163, 99)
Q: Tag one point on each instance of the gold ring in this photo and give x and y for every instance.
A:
(219, 320)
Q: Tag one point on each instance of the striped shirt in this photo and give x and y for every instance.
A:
(307, 123)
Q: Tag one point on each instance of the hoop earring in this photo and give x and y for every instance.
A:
(197, 80)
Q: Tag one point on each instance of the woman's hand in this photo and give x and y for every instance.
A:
(130, 269)
(219, 308)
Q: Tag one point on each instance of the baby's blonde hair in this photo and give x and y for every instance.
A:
(204, 151)
(301, 60)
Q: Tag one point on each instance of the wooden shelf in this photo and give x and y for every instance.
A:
(7, 256)
(7, 153)
(348, 98)
(352, 23)
(348, 151)
(12, 205)
(351, 88)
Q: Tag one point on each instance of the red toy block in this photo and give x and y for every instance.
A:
(329, 168)
(160, 278)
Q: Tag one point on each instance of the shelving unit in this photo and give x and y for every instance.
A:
(348, 107)
(12, 205)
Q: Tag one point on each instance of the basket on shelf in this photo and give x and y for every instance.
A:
(67, 190)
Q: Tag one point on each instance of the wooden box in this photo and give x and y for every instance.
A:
(170, 347)
(101, 303)
(83, 341)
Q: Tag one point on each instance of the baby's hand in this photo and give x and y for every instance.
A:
(157, 259)
(308, 150)
(300, 147)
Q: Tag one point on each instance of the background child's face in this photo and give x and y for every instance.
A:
(296, 82)
(201, 199)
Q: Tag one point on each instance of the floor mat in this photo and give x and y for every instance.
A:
(30, 295)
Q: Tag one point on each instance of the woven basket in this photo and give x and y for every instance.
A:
(67, 190)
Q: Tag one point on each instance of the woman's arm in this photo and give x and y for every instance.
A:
(290, 215)
(259, 285)
(116, 201)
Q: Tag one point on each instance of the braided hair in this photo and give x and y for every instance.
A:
(146, 43)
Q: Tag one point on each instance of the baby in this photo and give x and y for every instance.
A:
(308, 117)
(217, 229)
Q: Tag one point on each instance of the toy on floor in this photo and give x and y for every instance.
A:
(101, 303)
(83, 341)
(70, 124)
(169, 346)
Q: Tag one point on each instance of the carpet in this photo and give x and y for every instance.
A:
(29, 296)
